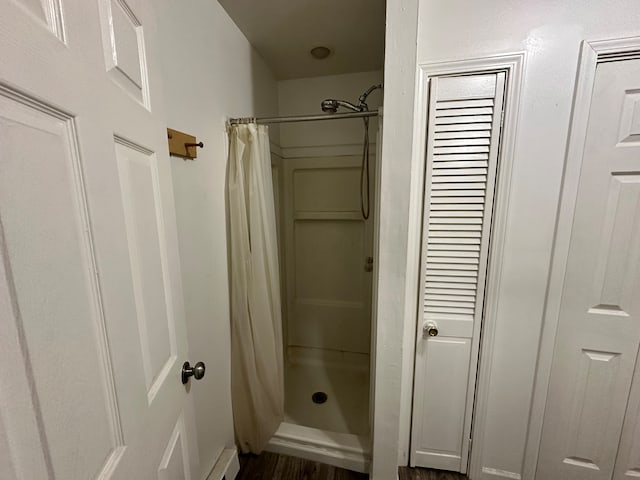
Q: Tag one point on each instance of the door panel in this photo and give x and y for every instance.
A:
(442, 427)
(124, 48)
(48, 13)
(155, 321)
(52, 298)
(599, 330)
(89, 271)
(174, 465)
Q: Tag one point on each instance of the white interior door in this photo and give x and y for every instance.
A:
(92, 328)
(462, 155)
(599, 327)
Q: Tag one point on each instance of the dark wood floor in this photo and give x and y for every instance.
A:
(270, 466)
(406, 473)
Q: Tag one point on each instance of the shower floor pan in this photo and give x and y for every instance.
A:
(326, 408)
(342, 450)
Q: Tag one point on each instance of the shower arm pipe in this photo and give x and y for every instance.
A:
(303, 118)
(363, 98)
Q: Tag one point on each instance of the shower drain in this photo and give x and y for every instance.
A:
(319, 397)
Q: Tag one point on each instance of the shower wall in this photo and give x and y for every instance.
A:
(303, 97)
(325, 241)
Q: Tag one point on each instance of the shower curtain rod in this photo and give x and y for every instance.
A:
(302, 118)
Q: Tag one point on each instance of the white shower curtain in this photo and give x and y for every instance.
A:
(257, 377)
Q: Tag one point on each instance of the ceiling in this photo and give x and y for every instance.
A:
(284, 31)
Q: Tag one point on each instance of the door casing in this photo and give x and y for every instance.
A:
(513, 64)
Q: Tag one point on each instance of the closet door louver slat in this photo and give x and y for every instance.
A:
(469, 181)
(463, 134)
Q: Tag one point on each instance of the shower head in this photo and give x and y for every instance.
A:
(332, 105)
(329, 105)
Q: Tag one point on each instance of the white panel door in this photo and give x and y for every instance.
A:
(91, 316)
(599, 328)
(462, 154)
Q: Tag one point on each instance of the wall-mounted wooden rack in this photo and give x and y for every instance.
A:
(182, 144)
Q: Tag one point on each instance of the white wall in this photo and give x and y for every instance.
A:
(210, 73)
(550, 33)
(395, 181)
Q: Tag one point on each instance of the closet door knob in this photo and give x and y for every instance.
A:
(430, 330)
(196, 371)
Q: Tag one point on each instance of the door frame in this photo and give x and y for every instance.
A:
(513, 65)
(375, 210)
(591, 54)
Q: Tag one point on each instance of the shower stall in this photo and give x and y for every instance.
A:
(324, 179)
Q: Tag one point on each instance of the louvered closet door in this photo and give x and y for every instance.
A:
(462, 153)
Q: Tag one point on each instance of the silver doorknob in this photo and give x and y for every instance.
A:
(196, 371)
(430, 330)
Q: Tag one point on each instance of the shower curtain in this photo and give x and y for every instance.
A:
(257, 377)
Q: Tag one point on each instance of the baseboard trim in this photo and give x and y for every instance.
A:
(226, 467)
(496, 473)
